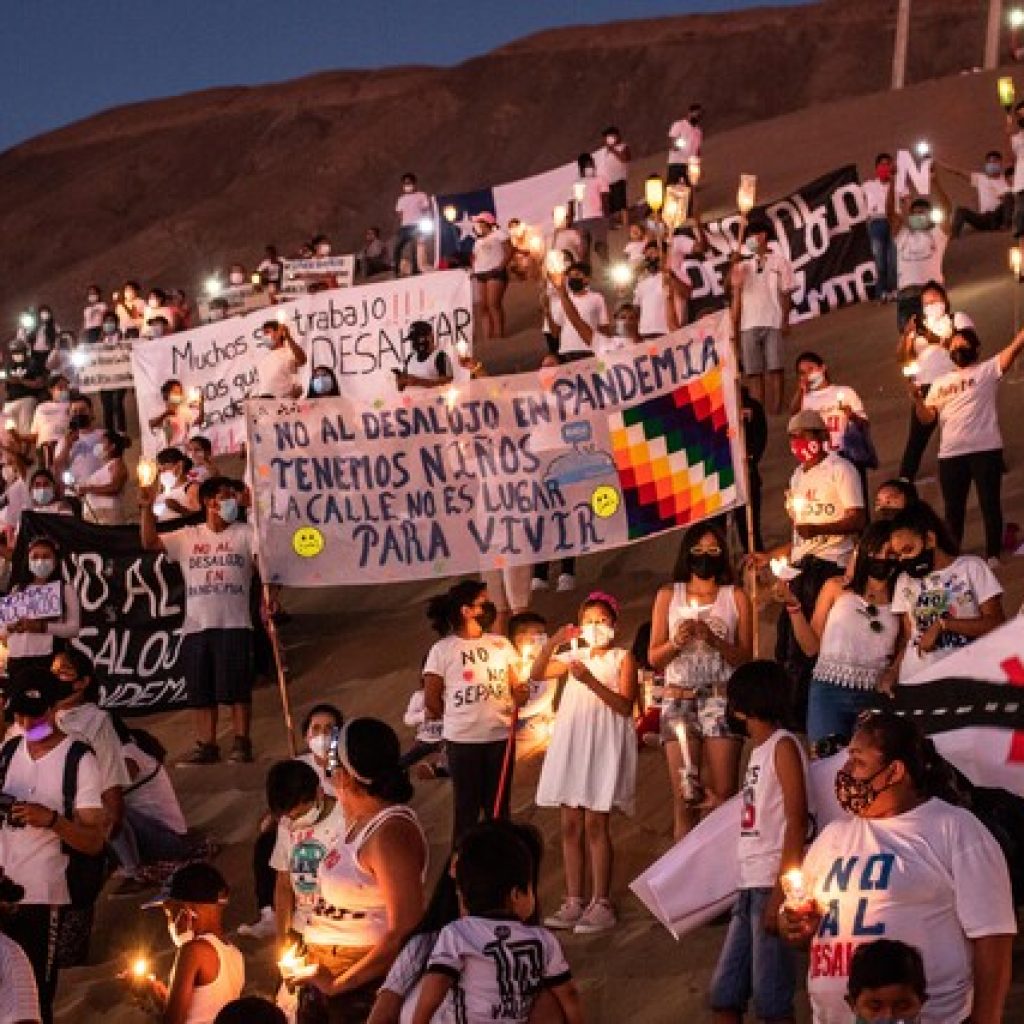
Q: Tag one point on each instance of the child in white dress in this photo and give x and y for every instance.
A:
(590, 767)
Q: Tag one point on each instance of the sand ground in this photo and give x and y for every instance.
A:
(362, 647)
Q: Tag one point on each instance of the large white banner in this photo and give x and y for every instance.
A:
(505, 471)
(360, 333)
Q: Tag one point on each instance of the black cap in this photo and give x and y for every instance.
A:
(194, 883)
(37, 693)
(420, 329)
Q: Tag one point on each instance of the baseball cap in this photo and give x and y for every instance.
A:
(37, 693)
(487, 217)
(194, 883)
(807, 419)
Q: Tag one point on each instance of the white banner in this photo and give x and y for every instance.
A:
(103, 366)
(332, 271)
(359, 333)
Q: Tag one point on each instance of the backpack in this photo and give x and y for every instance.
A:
(86, 872)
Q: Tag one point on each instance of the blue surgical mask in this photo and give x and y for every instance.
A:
(992, 168)
(919, 221)
(41, 568)
(227, 509)
(42, 495)
(321, 385)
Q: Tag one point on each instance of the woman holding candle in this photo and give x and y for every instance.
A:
(178, 496)
(492, 253)
(855, 636)
(103, 492)
(701, 629)
(175, 423)
(590, 765)
(369, 887)
(906, 864)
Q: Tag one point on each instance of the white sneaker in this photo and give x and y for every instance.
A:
(567, 914)
(538, 583)
(566, 582)
(598, 917)
(264, 928)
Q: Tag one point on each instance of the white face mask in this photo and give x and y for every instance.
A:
(934, 310)
(597, 634)
(42, 495)
(179, 936)
(319, 744)
(323, 250)
(168, 478)
(41, 568)
(815, 380)
(237, 278)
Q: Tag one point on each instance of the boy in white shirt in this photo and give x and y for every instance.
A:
(686, 138)
(995, 201)
(613, 161)
(496, 962)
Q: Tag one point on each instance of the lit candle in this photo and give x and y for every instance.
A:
(840, 397)
(621, 275)
(140, 968)
(579, 191)
(451, 396)
(923, 149)
(462, 348)
(936, 215)
(195, 395)
(450, 213)
(795, 890)
(746, 194)
(1017, 18)
(691, 610)
(536, 244)
(293, 965)
(79, 359)
(1015, 260)
(693, 170)
(555, 262)
(799, 504)
(147, 472)
(10, 425)
(256, 279)
(911, 370)
(558, 216)
(68, 478)
(213, 286)
(1007, 93)
(654, 192)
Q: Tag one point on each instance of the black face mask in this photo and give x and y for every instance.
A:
(882, 569)
(707, 567)
(486, 616)
(652, 264)
(421, 348)
(576, 284)
(963, 357)
(737, 726)
(918, 565)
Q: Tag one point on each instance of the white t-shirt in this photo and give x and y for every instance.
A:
(93, 725)
(50, 421)
(84, 461)
(634, 250)
(919, 256)
(92, 315)
(830, 490)
(1017, 145)
(586, 195)
(499, 965)
(217, 568)
(958, 591)
(413, 206)
(649, 295)
(155, 797)
(990, 191)
(876, 194)
(489, 251)
(405, 979)
(826, 401)
(19, 997)
(610, 166)
(763, 815)
(933, 361)
(762, 283)
(691, 137)
(968, 414)
(933, 877)
(477, 703)
(300, 852)
(276, 370)
(593, 310)
(32, 857)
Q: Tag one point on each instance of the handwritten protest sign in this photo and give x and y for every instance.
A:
(132, 604)
(360, 333)
(237, 298)
(334, 271)
(511, 470)
(103, 367)
(821, 228)
(41, 601)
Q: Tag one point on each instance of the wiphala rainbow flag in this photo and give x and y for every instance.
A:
(674, 458)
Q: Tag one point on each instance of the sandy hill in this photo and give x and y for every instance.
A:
(171, 189)
(361, 648)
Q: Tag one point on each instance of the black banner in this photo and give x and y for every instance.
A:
(821, 228)
(133, 604)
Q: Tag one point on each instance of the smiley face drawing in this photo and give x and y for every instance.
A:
(307, 541)
(604, 501)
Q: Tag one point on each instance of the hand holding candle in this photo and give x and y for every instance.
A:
(293, 965)
(746, 195)
(798, 898)
(146, 472)
(1007, 93)
(693, 170)
(911, 370)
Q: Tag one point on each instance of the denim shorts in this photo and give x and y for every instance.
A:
(703, 717)
(761, 349)
(754, 964)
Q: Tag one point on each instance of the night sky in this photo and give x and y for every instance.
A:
(61, 60)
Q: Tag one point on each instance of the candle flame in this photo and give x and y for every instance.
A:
(911, 370)
(147, 472)
(451, 397)
(140, 967)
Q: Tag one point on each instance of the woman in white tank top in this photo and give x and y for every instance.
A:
(855, 635)
(701, 629)
(370, 887)
(103, 492)
(178, 492)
